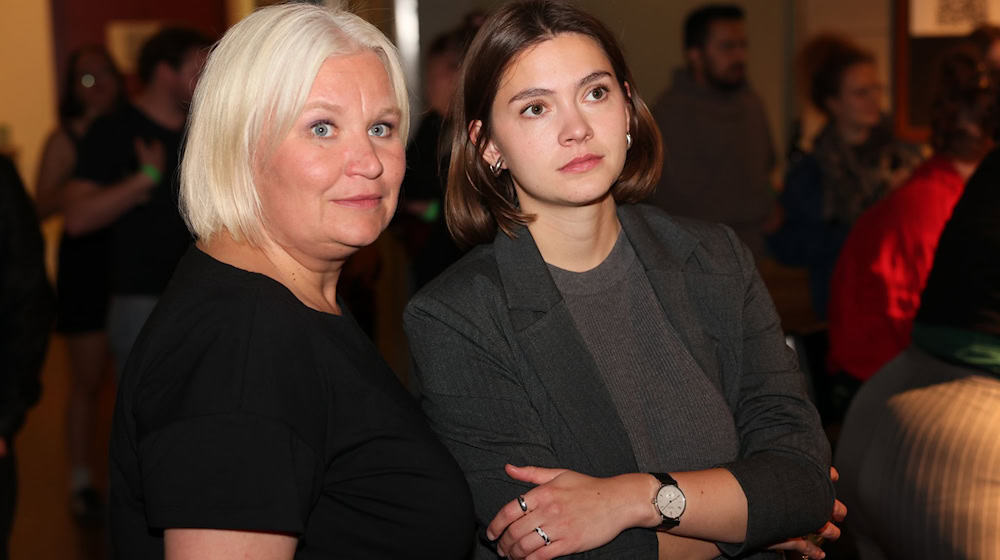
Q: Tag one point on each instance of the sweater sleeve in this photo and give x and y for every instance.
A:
(784, 454)
(474, 401)
(804, 239)
(26, 308)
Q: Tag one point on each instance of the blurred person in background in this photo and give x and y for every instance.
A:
(126, 180)
(26, 312)
(920, 447)
(93, 87)
(875, 291)
(720, 157)
(427, 237)
(854, 162)
(255, 420)
(986, 38)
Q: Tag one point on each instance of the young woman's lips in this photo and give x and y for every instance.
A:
(361, 201)
(581, 164)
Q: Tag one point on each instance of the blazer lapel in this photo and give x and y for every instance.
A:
(685, 293)
(557, 355)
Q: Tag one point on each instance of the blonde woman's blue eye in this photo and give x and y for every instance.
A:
(381, 130)
(322, 130)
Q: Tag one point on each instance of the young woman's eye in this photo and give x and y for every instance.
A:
(533, 110)
(597, 93)
(322, 129)
(381, 130)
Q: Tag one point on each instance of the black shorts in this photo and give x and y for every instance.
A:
(82, 283)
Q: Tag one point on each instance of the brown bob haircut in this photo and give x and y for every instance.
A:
(477, 202)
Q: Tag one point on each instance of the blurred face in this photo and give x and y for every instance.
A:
(95, 83)
(723, 60)
(993, 56)
(559, 121)
(440, 80)
(181, 81)
(971, 143)
(859, 104)
(331, 186)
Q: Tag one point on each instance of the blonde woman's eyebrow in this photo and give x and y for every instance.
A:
(321, 104)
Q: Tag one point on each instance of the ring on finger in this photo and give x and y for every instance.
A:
(544, 535)
(522, 503)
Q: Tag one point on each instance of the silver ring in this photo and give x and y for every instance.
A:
(544, 536)
(521, 502)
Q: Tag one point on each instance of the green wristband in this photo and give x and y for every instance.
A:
(150, 170)
(432, 212)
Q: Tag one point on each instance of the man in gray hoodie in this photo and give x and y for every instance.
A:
(719, 155)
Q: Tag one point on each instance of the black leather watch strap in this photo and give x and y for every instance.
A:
(666, 523)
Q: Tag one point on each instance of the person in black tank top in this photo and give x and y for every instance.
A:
(92, 88)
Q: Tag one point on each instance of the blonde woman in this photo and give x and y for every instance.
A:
(254, 418)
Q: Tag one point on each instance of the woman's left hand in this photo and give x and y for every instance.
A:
(575, 512)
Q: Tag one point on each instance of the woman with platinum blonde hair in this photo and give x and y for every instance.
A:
(254, 418)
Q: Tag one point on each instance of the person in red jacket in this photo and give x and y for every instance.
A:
(885, 261)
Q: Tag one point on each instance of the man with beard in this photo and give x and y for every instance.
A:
(719, 155)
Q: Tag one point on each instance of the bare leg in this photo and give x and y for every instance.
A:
(90, 358)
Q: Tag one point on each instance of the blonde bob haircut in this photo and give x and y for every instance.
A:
(253, 88)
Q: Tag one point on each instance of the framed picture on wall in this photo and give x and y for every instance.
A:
(924, 30)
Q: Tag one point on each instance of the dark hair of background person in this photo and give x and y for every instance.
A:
(70, 105)
(170, 45)
(963, 287)
(456, 41)
(698, 22)
(984, 36)
(965, 90)
(454, 44)
(477, 203)
(824, 60)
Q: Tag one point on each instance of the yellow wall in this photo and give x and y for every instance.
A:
(28, 90)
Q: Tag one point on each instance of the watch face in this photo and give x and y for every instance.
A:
(670, 501)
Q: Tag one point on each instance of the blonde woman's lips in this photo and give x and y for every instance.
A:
(360, 202)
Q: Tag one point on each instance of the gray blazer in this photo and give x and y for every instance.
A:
(504, 376)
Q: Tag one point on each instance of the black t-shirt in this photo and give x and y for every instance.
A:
(241, 408)
(149, 239)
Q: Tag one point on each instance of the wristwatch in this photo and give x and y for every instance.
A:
(669, 500)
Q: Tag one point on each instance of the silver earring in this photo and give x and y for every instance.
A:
(628, 141)
(496, 167)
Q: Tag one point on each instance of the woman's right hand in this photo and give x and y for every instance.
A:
(575, 511)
